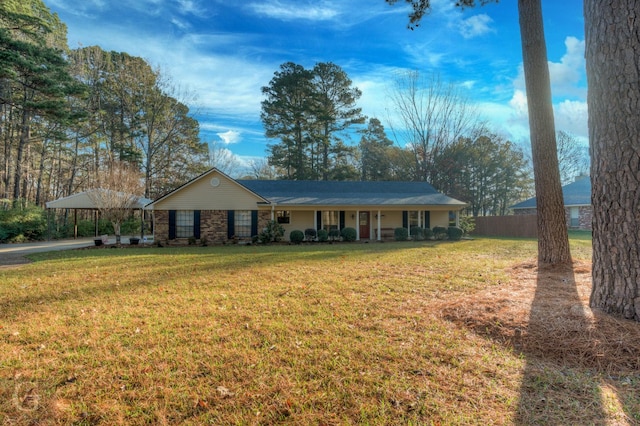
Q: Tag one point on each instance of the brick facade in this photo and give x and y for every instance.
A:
(585, 214)
(213, 226)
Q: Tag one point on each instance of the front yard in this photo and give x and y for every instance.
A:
(393, 333)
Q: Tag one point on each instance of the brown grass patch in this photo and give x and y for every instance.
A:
(545, 313)
(389, 334)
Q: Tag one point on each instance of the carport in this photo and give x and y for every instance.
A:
(85, 201)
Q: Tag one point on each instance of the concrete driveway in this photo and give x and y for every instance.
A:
(13, 254)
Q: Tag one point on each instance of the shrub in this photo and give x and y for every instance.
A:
(192, 241)
(334, 234)
(130, 226)
(427, 234)
(323, 235)
(296, 236)
(417, 233)
(439, 232)
(23, 224)
(467, 224)
(273, 232)
(401, 234)
(349, 234)
(454, 233)
(310, 234)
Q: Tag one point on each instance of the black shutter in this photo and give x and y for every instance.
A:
(172, 224)
(341, 219)
(196, 224)
(319, 220)
(231, 226)
(254, 222)
(405, 219)
(427, 219)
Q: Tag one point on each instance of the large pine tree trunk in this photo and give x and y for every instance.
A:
(612, 30)
(553, 240)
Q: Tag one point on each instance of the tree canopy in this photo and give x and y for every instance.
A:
(308, 111)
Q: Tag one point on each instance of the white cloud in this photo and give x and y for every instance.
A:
(289, 11)
(180, 24)
(572, 117)
(188, 7)
(566, 74)
(476, 26)
(230, 137)
(518, 104)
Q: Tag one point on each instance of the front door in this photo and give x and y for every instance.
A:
(365, 228)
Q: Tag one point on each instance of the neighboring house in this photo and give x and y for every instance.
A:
(217, 208)
(577, 204)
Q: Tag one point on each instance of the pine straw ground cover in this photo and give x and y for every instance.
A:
(399, 333)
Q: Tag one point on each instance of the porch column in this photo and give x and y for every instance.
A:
(315, 219)
(273, 213)
(357, 225)
(458, 219)
(379, 229)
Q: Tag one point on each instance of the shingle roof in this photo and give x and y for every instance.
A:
(286, 192)
(85, 200)
(577, 193)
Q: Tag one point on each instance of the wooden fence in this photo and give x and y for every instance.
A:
(524, 225)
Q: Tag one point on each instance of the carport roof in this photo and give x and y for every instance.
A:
(83, 200)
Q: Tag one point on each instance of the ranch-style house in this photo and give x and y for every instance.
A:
(216, 208)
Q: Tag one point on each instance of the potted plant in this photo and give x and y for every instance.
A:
(134, 241)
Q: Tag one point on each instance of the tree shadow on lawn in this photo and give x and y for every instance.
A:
(122, 270)
(581, 365)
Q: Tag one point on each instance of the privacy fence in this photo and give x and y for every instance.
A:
(524, 226)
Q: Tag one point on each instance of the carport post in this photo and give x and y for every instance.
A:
(75, 224)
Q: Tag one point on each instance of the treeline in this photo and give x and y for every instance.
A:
(66, 114)
(440, 138)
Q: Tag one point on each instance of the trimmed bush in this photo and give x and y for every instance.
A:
(334, 234)
(310, 234)
(454, 233)
(323, 235)
(296, 236)
(349, 234)
(427, 234)
(401, 234)
(417, 233)
(439, 232)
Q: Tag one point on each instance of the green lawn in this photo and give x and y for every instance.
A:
(317, 334)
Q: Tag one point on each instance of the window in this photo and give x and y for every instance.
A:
(575, 217)
(283, 216)
(330, 220)
(184, 224)
(452, 218)
(414, 219)
(242, 223)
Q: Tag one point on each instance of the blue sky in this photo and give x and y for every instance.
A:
(224, 51)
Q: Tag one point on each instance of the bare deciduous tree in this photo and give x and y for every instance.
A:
(117, 194)
(573, 158)
(431, 114)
